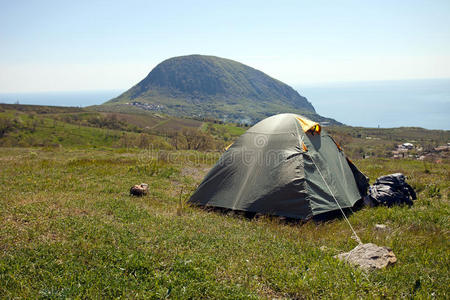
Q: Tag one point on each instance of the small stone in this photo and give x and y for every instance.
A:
(139, 189)
(369, 256)
(381, 226)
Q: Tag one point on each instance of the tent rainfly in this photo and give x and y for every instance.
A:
(285, 165)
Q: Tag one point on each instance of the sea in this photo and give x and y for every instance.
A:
(385, 104)
(64, 98)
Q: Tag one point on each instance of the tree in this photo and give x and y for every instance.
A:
(144, 141)
(197, 140)
(5, 126)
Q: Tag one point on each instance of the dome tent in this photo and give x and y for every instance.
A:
(285, 165)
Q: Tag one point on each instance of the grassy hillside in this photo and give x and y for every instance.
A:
(28, 130)
(30, 125)
(69, 229)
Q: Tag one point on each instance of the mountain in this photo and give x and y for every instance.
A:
(213, 87)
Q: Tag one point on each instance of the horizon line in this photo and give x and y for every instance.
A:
(316, 83)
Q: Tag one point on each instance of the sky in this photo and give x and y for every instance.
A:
(101, 45)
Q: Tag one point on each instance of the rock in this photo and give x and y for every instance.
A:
(323, 248)
(139, 189)
(380, 227)
(369, 256)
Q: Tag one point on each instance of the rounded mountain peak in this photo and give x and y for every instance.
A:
(202, 86)
(201, 76)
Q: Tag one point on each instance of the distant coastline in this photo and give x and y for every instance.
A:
(63, 98)
(395, 103)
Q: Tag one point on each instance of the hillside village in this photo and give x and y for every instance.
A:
(409, 150)
(146, 106)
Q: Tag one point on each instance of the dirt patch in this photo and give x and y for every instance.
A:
(196, 173)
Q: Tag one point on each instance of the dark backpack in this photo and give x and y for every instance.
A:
(391, 190)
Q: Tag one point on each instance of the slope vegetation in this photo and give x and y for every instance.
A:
(209, 86)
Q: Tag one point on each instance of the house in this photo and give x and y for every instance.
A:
(408, 146)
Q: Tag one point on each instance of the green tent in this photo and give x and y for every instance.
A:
(285, 165)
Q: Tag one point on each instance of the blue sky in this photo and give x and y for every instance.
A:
(94, 45)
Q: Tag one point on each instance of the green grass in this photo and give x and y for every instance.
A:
(69, 229)
(233, 130)
(48, 126)
(225, 132)
(44, 131)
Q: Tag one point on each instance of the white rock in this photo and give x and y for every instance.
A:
(381, 226)
(369, 256)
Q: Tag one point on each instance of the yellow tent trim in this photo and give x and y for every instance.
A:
(304, 147)
(308, 125)
(226, 148)
(337, 145)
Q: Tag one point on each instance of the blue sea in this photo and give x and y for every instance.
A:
(69, 98)
(396, 103)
